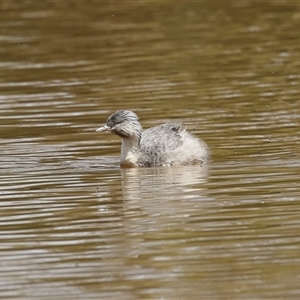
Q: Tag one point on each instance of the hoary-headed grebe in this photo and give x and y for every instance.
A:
(168, 144)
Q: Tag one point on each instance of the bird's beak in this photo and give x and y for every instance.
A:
(103, 128)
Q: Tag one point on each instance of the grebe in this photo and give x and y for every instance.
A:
(168, 144)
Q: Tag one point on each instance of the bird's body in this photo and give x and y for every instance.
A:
(168, 144)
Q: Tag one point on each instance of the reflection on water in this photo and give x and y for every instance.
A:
(76, 226)
(162, 183)
(159, 193)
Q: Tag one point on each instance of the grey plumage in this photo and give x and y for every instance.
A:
(168, 144)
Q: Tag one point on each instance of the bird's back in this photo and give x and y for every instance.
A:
(170, 144)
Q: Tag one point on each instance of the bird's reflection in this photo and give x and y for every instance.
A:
(159, 183)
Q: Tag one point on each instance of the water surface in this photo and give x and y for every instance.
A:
(76, 226)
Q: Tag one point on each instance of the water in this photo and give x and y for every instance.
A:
(76, 226)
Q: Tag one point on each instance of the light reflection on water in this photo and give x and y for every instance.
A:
(76, 226)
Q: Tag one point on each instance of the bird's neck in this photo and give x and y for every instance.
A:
(129, 152)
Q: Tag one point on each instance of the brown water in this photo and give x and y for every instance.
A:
(76, 226)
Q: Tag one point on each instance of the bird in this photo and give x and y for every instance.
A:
(165, 145)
